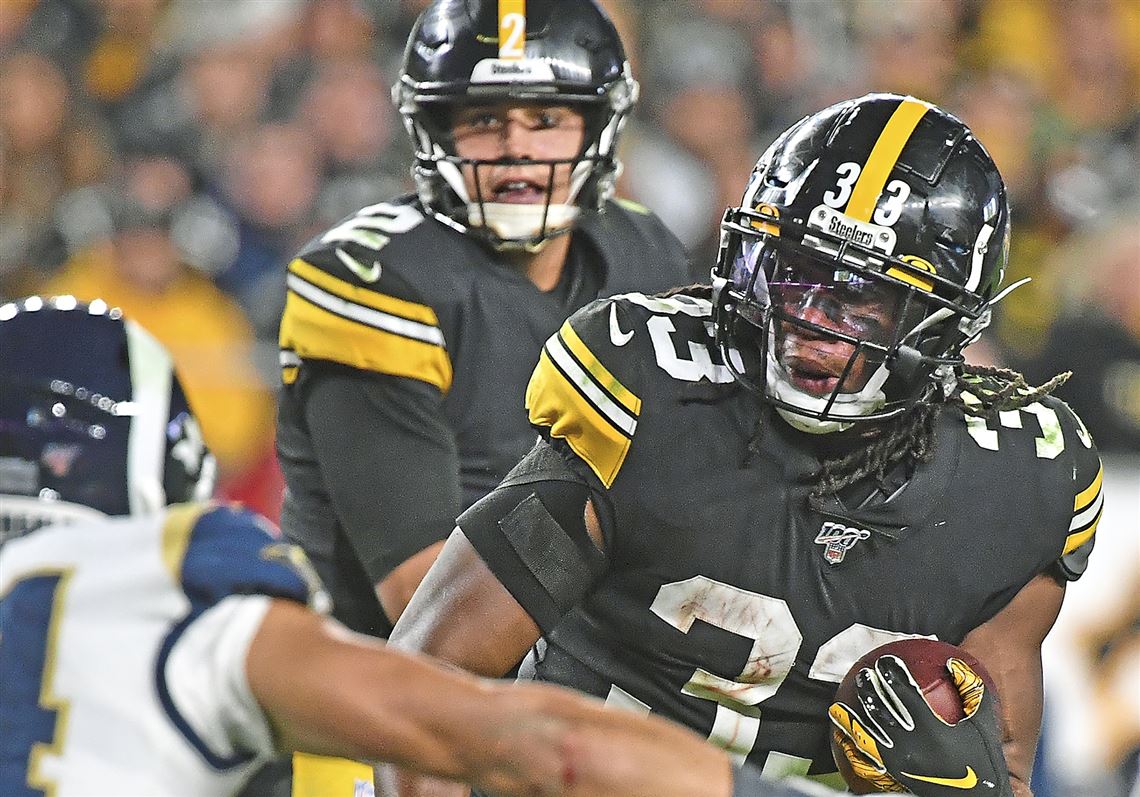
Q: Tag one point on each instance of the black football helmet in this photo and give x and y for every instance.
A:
(93, 418)
(488, 52)
(864, 257)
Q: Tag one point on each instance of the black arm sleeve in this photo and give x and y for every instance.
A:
(388, 460)
(531, 533)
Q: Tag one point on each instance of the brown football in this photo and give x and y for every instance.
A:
(926, 660)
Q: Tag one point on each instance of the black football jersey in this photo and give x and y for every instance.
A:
(734, 602)
(405, 350)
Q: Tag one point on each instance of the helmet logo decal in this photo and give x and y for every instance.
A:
(884, 155)
(838, 539)
(512, 29)
(909, 277)
(839, 225)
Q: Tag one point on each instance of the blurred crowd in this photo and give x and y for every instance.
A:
(170, 155)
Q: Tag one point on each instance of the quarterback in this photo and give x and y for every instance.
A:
(411, 328)
(740, 489)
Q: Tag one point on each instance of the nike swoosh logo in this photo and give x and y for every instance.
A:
(617, 337)
(967, 781)
(366, 273)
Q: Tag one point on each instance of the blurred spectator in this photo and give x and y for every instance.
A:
(911, 47)
(271, 179)
(50, 146)
(62, 30)
(1097, 331)
(142, 270)
(346, 106)
(700, 104)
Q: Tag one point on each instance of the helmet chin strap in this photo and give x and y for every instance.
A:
(852, 405)
(519, 222)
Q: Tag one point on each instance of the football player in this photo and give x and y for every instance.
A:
(411, 328)
(740, 489)
(149, 647)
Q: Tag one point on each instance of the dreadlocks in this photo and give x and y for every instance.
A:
(982, 392)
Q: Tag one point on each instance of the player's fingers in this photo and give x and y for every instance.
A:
(969, 684)
(879, 702)
(856, 737)
(900, 691)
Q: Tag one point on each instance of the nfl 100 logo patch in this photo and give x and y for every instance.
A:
(838, 539)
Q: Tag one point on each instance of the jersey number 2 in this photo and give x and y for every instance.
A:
(34, 718)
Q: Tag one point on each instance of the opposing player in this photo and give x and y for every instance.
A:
(411, 328)
(156, 648)
(741, 489)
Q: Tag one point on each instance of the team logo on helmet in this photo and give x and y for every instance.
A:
(838, 539)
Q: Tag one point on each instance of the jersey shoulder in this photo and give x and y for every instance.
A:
(1045, 450)
(641, 253)
(358, 295)
(1085, 474)
(215, 550)
(595, 374)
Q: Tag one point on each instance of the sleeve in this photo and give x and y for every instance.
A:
(575, 397)
(531, 533)
(213, 551)
(204, 677)
(342, 305)
(1088, 500)
(389, 461)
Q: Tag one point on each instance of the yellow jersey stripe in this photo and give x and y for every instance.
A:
(362, 296)
(554, 402)
(1077, 539)
(604, 379)
(1087, 495)
(176, 531)
(314, 332)
(317, 776)
(883, 157)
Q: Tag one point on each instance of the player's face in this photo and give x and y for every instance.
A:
(831, 301)
(507, 132)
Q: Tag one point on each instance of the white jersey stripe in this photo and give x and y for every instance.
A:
(376, 319)
(613, 412)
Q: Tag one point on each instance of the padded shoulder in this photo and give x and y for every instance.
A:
(1088, 495)
(595, 372)
(349, 301)
(215, 551)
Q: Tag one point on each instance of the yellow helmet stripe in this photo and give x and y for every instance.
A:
(883, 157)
(512, 29)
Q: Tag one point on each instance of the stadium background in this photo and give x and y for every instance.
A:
(170, 155)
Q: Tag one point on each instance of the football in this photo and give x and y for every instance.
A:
(926, 660)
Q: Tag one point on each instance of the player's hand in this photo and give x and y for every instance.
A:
(896, 741)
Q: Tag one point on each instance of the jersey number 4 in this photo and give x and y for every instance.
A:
(33, 718)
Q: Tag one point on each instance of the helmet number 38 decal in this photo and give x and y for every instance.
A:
(891, 205)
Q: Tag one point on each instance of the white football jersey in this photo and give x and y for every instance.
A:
(122, 652)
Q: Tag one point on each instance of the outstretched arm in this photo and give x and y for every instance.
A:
(331, 692)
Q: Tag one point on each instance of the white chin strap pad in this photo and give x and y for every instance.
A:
(851, 405)
(519, 222)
